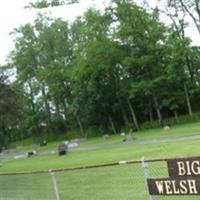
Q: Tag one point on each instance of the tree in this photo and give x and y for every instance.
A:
(10, 108)
(96, 71)
(177, 11)
(40, 4)
(143, 37)
(42, 52)
(191, 8)
(106, 70)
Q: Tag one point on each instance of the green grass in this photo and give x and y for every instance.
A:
(26, 187)
(103, 183)
(112, 153)
(122, 182)
(123, 152)
(178, 130)
(113, 139)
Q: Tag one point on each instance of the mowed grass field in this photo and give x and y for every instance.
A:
(121, 182)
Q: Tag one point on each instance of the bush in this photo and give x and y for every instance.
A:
(182, 119)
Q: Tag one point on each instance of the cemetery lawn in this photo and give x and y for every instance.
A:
(125, 152)
(175, 131)
(113, 149)
(123, 182)
(120, 182)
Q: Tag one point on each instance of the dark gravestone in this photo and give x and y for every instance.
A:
(62, 149)
(31, 153)
(43, 143)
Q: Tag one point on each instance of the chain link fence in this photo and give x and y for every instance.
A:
(113, 181)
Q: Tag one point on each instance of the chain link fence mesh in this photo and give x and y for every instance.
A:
(26, 187)
(119, 182)
(159, 170)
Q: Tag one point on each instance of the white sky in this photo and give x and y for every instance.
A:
(13, 14)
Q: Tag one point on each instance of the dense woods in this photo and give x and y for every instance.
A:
(107, 71)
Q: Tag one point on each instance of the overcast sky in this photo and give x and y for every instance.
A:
(13, 14)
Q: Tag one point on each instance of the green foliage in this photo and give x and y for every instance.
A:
(102, 181)
(104, 72)
(10, 109)
(182, 119)
(39, 4)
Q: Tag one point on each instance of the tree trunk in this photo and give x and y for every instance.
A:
(47, 108)
(65, 110)
(189, 66)
(80, 125)
(188, 100)
(112, 124)
(46, 102)
(32, 96)
(157, 108)
(57, 110)
(151, 115)
(125, 117)
(176, 115)
(133, 115)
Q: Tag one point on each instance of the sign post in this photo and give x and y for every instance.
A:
(146, 173)
(55, 187)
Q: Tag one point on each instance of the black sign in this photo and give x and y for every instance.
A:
(184, 167)
(184, 178)
(174, 186)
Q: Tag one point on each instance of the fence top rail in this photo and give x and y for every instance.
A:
(88, 166)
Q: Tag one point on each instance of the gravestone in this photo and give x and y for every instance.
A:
(166, 128)
(62, 149)
(105, 136)
(43, 143)
(31, 153)
(123, 134)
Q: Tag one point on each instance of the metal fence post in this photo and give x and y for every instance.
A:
(146, 173)
(55, 186)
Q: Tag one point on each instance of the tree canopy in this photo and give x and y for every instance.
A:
(107, 71)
